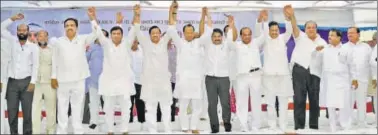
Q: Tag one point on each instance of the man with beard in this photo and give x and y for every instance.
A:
(22, 74)
(69, 71)
(43, 88)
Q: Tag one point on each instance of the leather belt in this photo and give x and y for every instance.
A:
(253, 70)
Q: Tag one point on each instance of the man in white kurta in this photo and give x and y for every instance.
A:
(338, 70)
(276, 78)
(43, 88)
(155, 76)
(361, 58)
(116, 82)
(69, 71)
(373, 69)
(5, 59)
(189, 75)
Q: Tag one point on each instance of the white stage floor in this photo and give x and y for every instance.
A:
(137, 128)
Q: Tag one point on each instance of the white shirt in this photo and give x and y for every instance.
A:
(248, 55)
(117, 77)
(275, 52)
(155, 76)
(5, 59)
(189, 54)
(373, 63)
(69, 57)
(337, 59)
(305, 53)
(45, 64)
(24, 58)
(361, 58)
(137, 63)
(217, 56)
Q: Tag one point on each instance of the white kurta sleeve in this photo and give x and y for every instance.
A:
(143, 41)
(4, 31)
(373, 63)
(35, 60)
(172, 32)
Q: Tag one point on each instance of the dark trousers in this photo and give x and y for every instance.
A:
(16, 92)
(86, 111)
(303, 83)
(140, 106)
(173, 107)
(277, 107)
(218, 86)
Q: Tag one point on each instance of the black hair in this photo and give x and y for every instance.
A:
(241, 30)
(116, 28)
(357, 29)
(71, 19)
(107, 33)
(338, 33)
(153, 27)
(188, 25)
(225, 28)
(217, 30)
(272, 23)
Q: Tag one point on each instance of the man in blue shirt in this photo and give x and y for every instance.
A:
(95, 58)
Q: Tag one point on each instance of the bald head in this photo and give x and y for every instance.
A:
(22, 32)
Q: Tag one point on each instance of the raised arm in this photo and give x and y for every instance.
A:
(205, 38)
(202, 21)
(260, 40)
(289, 21)
(136, 21)
(5, 24)
(90, 38)
(234, 30)
(172, 31)
(230, 37)
(131, 34)
(289, 11)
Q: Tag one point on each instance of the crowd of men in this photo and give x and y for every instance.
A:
(140, 70)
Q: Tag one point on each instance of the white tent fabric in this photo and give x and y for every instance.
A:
(326, 13)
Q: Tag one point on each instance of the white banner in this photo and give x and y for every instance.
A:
(52, 20)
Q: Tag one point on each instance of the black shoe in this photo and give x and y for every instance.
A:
(314, 127)
(296, 128)
(214, 128)
(115, 124)
(227, 127)
(92, 126)
(214, 131)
